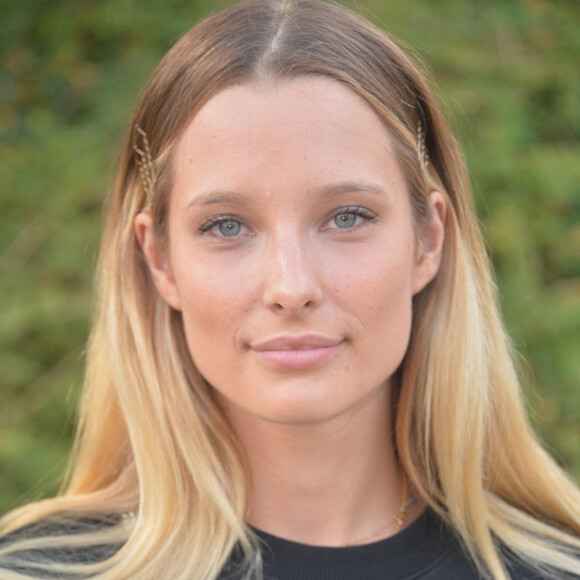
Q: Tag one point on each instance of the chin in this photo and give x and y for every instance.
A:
(304, 404)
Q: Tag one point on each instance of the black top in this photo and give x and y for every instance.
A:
(427, 549)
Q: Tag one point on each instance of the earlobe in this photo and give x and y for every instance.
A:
(156, 259)
(431, 243)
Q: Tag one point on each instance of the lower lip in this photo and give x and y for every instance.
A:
(299, 358)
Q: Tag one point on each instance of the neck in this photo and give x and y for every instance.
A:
(324, 483)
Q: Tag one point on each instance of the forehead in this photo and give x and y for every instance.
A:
(309, 98)
(312, 129)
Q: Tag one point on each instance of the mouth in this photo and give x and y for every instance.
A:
(297, 352)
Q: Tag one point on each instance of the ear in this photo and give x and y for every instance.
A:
(430, 245)
(156, 259)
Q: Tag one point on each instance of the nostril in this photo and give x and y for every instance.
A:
(294, 305)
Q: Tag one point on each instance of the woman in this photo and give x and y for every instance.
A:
(297, 345)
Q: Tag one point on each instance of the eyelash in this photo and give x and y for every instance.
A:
(216, 220)
(357, 211)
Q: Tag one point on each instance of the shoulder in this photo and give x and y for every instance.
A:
(518, 569)
(37, 550)
(443, 555)
(456, 562)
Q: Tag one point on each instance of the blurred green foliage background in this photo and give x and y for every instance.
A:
(70, 73)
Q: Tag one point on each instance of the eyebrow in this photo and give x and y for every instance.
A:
(213, 197)
(351, 187)
(235, 197)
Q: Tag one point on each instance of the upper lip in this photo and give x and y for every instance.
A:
(301, 342)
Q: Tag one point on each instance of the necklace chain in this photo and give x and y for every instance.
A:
(398, 519)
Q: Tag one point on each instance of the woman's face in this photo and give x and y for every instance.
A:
(292, 254)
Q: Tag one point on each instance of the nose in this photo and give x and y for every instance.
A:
(292, 283)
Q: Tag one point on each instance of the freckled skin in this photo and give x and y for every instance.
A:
(291, 269)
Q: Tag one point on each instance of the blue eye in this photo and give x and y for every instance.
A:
(222, 227)
(345, 220)
(350, 218)
(229, 228)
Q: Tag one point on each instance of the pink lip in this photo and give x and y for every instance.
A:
(297, 352)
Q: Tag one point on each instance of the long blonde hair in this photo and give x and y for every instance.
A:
(151, 440)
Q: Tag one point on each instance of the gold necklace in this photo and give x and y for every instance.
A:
(398, 520)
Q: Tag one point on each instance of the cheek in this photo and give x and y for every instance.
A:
(376, 293)
(378, 281)
(213, 301)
